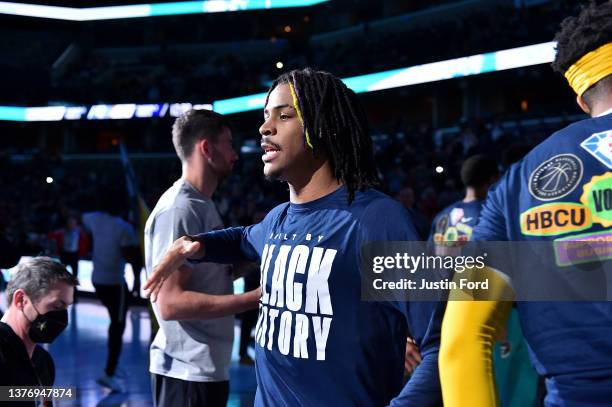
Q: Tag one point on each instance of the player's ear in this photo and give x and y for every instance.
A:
(203, 147)
(583, 104)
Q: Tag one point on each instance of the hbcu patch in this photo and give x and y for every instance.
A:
(599, 145)
(555, 177)
(555, 219)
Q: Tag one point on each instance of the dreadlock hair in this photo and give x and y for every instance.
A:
(335, 125)
(581, 34)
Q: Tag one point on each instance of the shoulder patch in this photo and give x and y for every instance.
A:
(597, 196)
(556, 177)
(583, 248)
(555, 219)
(599, 145)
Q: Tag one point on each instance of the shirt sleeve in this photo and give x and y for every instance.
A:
(469, 332)
(231, 245)
(423, 387)
(424, 319)
(239, 243)
(168, 226)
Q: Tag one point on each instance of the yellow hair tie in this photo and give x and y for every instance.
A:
(296, 105)
(590, 69)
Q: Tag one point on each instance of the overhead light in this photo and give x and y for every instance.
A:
(145, 10)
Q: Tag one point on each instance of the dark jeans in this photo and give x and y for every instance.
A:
(115, 299)
(170, 392)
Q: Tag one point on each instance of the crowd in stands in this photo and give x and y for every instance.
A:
(175, 68)
(407, 156)
(168, 73)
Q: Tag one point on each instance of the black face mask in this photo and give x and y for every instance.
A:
(46, 327)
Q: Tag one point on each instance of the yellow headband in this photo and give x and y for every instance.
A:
(296, 105)
(590, 69)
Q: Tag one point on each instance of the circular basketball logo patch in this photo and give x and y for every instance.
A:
(556, 177)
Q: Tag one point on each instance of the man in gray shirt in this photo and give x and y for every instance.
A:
(191, 353)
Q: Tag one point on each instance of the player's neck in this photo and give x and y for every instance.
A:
(200, 178)
(10, 318)
(600, 108)
(314, 186)
(473, 194)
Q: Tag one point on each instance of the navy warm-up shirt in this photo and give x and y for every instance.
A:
(562, 190)
(456, 222)
(318, 343)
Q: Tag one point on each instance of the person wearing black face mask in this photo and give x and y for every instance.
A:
(38, 296)
(46, 327)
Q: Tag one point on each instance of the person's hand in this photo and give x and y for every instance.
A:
(181, 250)
(412, 357)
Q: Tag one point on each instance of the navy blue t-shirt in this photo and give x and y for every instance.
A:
(562, 190)
(317, 342)
(456, 222)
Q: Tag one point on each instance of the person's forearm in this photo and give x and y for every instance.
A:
(185, 305)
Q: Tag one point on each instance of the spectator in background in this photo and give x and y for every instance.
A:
(427, 203)
(406, 198)
(38, 296)
(114, 242)
(71, 243)
(468, 139)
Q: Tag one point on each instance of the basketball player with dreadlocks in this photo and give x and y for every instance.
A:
(570, 343)
(318, 344)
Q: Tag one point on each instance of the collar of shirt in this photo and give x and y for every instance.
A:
(607, 112)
